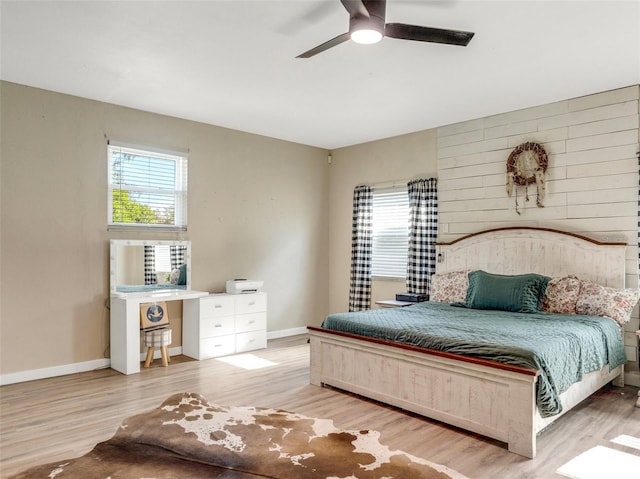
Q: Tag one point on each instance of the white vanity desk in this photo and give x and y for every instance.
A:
(212, 325)
(129, 261)
(125, 324)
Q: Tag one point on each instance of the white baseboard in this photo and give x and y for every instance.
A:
(631, 378)
(33, 374)
(283, 333)
(53, 371)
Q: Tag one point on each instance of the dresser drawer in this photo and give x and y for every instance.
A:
(251, 322)
(251, 340)
(217, 326)
(219, 346)
(222, 324)
(251, 303)
(214, 306)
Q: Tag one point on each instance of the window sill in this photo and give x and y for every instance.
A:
(387, 278)
(144, 227)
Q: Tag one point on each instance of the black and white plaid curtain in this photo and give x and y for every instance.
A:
(150, 265)
(361, 248)
(423, 234)
(177, 256)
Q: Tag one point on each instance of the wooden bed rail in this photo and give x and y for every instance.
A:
(434, 352)
(492, 401)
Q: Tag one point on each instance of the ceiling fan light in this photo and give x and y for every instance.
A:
(366, 36)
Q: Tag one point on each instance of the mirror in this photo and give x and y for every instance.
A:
(149, 266)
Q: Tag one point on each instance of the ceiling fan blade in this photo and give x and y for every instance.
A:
(326, 45)
(355, 8)
(427, 34)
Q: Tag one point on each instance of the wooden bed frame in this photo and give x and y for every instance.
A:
(486, 397)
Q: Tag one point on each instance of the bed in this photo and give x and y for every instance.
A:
(481, 393)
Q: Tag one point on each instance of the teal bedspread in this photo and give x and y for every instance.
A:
(561, 347)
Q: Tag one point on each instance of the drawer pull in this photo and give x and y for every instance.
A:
(217, 306)
(252, 303)
(217, 325)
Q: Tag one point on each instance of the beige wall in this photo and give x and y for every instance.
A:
(257, 209)
(396, 160)
(267, 209)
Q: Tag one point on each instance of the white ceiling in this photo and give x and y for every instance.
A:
(232, 63)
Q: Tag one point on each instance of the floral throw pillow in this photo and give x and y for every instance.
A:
(561, 295)
(175, 275)
(449, 287)
(597, 300)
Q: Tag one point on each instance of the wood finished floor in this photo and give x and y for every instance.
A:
(53, 419)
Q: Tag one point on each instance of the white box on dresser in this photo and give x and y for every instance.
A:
(222, 324)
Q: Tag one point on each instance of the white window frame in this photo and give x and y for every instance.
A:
(390, 235)
(177, 192)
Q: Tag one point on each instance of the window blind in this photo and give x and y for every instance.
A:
(147, 188)
(163, 258)
(390, 233)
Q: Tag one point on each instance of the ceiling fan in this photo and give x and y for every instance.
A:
(367, 25)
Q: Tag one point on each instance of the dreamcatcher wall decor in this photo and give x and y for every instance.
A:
(526, 165)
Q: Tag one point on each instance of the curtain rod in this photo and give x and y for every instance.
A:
(389, 184)
(394, 183)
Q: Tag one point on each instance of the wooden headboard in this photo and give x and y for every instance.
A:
(544, 251)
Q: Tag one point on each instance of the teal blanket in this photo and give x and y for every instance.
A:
(561, 347)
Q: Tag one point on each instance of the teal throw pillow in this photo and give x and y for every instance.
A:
(521, 293)
(182, 279)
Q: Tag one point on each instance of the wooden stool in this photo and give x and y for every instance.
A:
(157, 338)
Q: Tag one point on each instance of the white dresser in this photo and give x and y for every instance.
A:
(222, 324)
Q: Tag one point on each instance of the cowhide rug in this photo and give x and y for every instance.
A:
(186, 437)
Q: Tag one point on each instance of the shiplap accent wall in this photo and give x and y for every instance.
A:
(592, 177)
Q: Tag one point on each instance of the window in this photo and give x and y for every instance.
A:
(147, 188)
(162, 258)
(390, 233)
